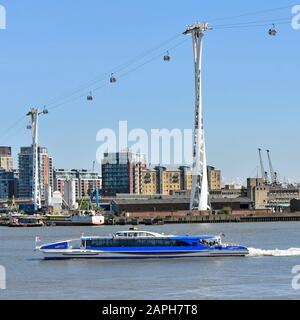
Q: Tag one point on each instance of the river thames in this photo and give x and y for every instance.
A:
(265, 274)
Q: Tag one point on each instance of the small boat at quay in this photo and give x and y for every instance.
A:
(84, 218)
(134, 244)
(21, 222)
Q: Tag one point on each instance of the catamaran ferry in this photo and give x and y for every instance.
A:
(136, 244)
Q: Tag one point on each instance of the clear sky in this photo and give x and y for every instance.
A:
(251, 80)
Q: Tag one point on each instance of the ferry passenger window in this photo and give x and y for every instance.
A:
(182, 243)
(150, 242)
(121, 234)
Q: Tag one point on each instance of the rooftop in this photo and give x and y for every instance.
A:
(177, 200)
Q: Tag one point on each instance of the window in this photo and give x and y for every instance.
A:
(115, 242)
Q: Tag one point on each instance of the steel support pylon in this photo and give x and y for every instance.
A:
(199, 199)
(36, 192)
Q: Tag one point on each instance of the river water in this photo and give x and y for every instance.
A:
(265, 274)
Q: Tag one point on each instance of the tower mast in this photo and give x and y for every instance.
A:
(199, 199)
(36, 196)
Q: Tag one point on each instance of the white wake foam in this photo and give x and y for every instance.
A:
(253, 252)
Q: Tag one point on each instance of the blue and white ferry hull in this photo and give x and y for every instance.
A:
(155, 254)
(132, 255)
(141, 245)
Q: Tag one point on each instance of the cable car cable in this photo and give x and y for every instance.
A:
(252, 13)
(251, 25)
(228, 26)
(120, 76)
(114, 70)
(253, 22)
(12, 126)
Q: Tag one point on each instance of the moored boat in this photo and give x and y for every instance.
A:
(29, 222)
(136, 244)
(85, 218)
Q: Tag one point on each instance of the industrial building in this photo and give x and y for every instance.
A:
(267, 192)
(69, 195)
(62, 175)
(262, 195)
(229, 192)
(266, 196)
(295, 205)
(122, 204)
(154, 204)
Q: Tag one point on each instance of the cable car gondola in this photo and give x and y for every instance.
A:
(272, 30)
(113, 79)
(90, 97)
(167, 57)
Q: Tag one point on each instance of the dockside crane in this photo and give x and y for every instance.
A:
(264, 173)
(273, 174)
(95, 194)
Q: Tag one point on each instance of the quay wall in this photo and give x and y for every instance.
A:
(188, 217)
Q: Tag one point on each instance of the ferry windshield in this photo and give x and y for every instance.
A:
(134, 234)
(210, 243)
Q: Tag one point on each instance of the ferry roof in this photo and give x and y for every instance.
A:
(174, 200)
(153, 234)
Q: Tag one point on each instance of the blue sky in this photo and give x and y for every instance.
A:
(251, 81)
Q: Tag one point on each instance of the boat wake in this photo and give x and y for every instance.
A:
(253, 252)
